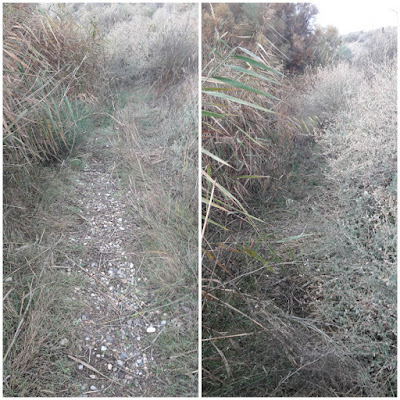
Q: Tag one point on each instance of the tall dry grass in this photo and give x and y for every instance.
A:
(249, 140)
(49, 68)
(247, 134)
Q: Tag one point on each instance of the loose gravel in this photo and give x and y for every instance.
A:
(111, 359)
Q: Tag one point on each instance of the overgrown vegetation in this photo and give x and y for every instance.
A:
(299, 245)
(68, 76)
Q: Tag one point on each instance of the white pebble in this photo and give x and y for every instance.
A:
(151, 329)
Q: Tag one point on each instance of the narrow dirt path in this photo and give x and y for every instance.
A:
(112, 358)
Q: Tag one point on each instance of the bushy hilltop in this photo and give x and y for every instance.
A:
(285, 31)
(379, 44)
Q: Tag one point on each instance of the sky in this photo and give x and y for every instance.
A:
(351, 16)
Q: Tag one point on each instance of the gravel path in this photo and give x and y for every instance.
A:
(111, 359)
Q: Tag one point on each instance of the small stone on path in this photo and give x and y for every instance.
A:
(109, 338)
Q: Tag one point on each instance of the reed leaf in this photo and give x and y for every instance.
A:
(216, 158)
(243, 86)
(236, 100)
(258, 64)
(252, 73)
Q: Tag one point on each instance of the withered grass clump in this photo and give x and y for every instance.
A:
(176, 56)
(50, 68)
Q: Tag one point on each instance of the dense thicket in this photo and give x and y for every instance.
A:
(285, 30)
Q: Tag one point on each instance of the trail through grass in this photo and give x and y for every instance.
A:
(106, 297)
(100, 259)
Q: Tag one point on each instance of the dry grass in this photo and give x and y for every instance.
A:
(248, 139)
(160, 165)
(238, 263)
(373, 47)
(38, 306)
(333, 87)
(162, 50)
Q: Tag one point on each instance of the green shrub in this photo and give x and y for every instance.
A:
(329, 90)
(343, 53)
